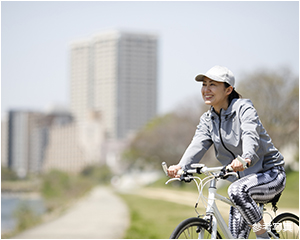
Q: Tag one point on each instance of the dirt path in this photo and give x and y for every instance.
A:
(101, 214)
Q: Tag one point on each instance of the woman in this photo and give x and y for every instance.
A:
(233, 126)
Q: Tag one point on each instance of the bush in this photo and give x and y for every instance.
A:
(59, 187)
(8, 175)
(26, 217)
(97, 174)
(55, 183)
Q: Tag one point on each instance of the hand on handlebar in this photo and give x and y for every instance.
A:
(238, 166)
(172, 171)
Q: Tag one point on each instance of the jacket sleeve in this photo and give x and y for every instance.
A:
(200, 143)
(250, 127)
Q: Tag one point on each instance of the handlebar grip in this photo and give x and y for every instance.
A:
(165, 168)
(241, 160)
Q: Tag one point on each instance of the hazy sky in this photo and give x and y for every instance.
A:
(193, 37)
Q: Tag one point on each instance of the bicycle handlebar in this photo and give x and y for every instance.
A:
(224, 171)
(201, 168)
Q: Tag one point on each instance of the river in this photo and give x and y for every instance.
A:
(11, 202)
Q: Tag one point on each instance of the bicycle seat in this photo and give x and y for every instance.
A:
(274, 202)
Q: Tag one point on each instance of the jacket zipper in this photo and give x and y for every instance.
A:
(221, 137)
(223, 142)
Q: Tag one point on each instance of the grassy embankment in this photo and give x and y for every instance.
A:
(157, 219)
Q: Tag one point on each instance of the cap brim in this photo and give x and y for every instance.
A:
(200, 77)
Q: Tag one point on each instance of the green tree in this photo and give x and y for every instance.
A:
(275, 95)
(165, 138)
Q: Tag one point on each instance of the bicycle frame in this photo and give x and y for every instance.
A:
(216, 217)
(213, 211)
(213, 214)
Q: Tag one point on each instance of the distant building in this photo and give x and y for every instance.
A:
(4, 142)
(74, 146)
(115, 73)
(23, 149)
(25, 139)
(113, 93)
(63, 152)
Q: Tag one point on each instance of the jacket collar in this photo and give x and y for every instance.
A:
(229, 111)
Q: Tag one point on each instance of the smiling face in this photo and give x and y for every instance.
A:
(215, 94)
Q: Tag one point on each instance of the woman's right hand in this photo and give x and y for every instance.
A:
(172, 171)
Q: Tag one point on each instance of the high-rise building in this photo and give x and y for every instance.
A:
(81, 79)
(115, 73)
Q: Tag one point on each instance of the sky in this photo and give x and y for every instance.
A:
(193, 36)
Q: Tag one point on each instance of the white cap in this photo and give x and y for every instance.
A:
(219, 74)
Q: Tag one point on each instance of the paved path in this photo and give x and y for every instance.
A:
(100, 214)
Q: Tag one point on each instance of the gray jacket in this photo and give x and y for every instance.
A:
(237, 131)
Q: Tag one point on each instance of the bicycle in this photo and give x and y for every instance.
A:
(284, 225)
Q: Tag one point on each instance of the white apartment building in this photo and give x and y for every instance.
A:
(74, 146)
(81, 79)
(115, 73)
(63, 152)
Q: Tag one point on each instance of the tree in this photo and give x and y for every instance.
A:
(165, 138)
(275, 95)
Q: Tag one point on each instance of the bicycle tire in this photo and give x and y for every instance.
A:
(285, 226)
(190, 228)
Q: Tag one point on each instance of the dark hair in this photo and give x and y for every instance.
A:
(234, 94)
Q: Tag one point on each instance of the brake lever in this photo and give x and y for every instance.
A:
(184, 176)
(226, 171)
(231, 173)
(165, 168)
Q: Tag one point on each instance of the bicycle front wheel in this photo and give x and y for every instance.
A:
(286, 226)
(193, 228)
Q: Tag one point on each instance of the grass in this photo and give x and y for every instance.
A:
(26, 217)
(290, 195)
(156, 219)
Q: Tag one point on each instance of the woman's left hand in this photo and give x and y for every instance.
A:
(238, 166)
